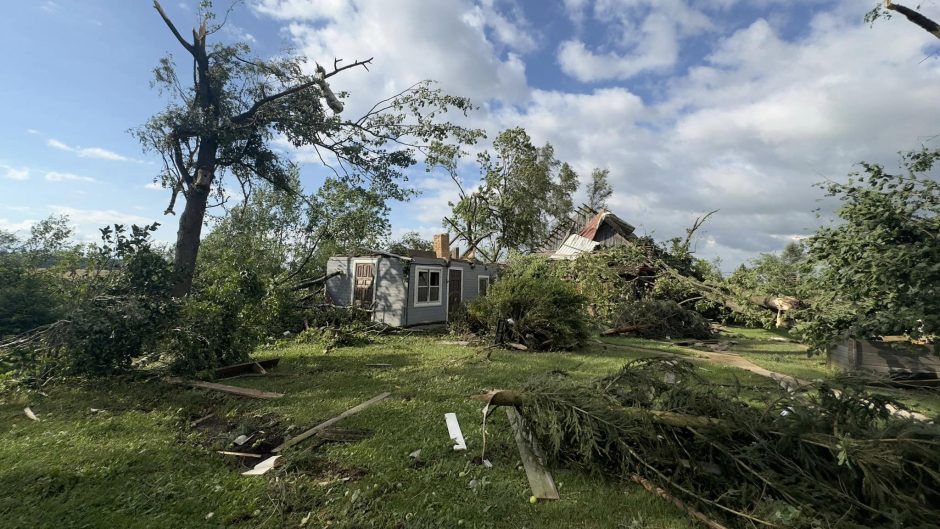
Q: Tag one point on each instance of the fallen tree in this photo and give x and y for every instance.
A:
(826, 455)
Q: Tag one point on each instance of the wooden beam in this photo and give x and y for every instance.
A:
(326, 424)
(235, 390)
(540, 480)
(247, 367)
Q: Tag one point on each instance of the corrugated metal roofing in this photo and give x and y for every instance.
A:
(574, 246)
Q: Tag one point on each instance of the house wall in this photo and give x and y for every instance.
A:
(395, 289)
(389, 305)
(426, 314)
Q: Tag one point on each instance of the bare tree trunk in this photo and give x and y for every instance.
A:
(188, 238)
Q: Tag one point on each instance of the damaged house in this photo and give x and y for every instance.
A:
(406, 290)
(586, 231)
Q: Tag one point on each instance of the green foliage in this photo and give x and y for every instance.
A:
(770, 275)
(877, 271)
(119, 308)
(31, 278)
(599, 190)
(525, 190)
(657, 318)
(411, 240)
(547, 313)
(832, 455)
(607, 279)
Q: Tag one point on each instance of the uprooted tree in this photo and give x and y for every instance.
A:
(223, 125)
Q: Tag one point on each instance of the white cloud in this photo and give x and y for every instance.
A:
(56, 176)
(747, 130)
(20, 227)
(32, 131)
(650, 34)
(15, 173)
(88, 152)
(156, 186)
(100, 217)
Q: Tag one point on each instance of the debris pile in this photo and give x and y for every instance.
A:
(656, 318)
(824, 455)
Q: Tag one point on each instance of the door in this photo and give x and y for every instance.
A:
(454, 290)
(364, 286)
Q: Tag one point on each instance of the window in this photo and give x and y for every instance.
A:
(483, 284)
(428, 289)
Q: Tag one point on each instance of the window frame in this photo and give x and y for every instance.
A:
(440, 285)
(488, 283)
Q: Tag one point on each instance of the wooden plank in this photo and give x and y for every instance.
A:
(453, 429)
(326, 424)
(235, 390)
(247, 367)
(540, 480)
(239, 454)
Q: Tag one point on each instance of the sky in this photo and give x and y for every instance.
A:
(692, 105)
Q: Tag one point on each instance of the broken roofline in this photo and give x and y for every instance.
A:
(416, 260)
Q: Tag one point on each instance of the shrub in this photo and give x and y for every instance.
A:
(655, 318)
(547, 313)
(118, 309)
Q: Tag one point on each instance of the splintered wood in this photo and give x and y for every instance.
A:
(235, 390)
(326, 424)
(540, 480)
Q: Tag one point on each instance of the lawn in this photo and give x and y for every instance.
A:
(125, 452)
(139, 462)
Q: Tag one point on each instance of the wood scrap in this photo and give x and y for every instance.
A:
(235, 390)
(29, 413)
(247, 367)
(517, 346)
(262, 467)
(326, 424)
(199, 421)
(239, 454)
(540, 480)
(453, 429)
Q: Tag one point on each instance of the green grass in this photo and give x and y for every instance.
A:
(139, 463)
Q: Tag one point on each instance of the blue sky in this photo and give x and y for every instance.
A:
(692, 105)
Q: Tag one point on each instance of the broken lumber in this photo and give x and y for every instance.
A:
(540, 480)
(326, 424)
(29, 413)
(235, 390)
(247, 367)
(262, 467)
(239, 454)
(453, 429)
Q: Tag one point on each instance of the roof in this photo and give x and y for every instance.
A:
(574, 246)
(418, 259)
(589, 231)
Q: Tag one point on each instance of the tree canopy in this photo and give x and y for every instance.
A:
(224, 124)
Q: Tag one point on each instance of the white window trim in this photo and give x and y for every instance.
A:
(440, 286)
(375, 278)
(488, 283)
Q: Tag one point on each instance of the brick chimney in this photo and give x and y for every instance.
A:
(442, 246)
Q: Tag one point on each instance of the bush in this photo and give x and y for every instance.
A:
(117, 311)
(655, 318)
(547, 313)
